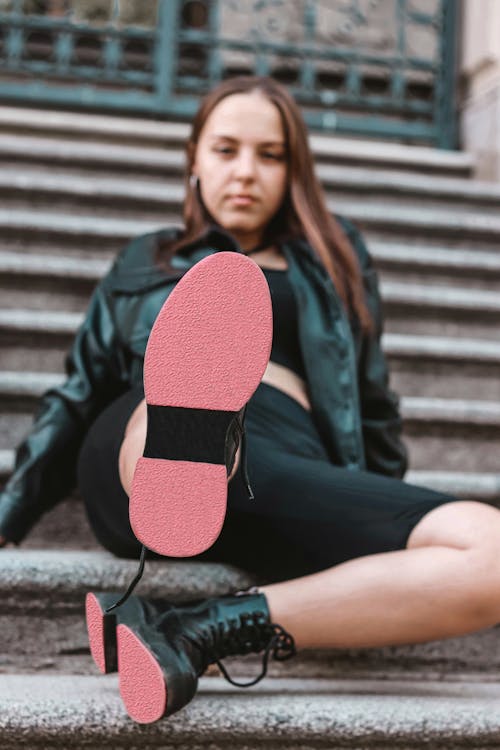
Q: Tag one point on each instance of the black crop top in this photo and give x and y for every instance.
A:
(285, 348)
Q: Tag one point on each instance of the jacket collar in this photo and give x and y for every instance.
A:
(218, 238)
(215, 237)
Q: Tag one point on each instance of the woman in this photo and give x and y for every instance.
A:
(351, 555)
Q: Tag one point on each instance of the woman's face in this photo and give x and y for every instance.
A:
(241, 151)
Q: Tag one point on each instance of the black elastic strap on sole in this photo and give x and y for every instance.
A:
(182, 434)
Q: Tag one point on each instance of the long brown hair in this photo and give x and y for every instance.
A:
(303, 210)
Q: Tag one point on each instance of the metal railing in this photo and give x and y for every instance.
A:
(383, 68)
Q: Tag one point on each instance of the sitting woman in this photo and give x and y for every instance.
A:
(196, 361)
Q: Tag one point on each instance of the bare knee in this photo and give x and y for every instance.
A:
(463, 524)
(474, 528)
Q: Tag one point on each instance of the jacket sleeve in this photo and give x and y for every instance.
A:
(381, 419)
(45, 462)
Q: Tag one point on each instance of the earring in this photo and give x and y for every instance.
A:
(193, 181)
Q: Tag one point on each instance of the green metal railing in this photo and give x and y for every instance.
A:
(382, 68)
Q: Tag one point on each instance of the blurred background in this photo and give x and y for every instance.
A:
(402, 101)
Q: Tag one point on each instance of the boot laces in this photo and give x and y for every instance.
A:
(243, 438)
(252, 633)
(132, 584)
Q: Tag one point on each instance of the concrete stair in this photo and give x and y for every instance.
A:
(74, 189)
(289, 714)
(466, 432)
(42, 619)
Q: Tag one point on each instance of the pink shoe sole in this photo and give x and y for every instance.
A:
(143, 687)
(206, 355)
(101, 630)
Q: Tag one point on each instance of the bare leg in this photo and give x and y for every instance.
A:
(132, 447)
(446, 583)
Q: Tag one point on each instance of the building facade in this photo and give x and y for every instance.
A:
(413, 71)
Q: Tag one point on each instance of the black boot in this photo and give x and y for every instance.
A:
(160, 661)
(235, 435)
(101, 625)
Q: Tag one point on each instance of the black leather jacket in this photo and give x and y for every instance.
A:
(354, 410)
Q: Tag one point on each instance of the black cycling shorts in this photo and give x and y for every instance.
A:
(308, 514)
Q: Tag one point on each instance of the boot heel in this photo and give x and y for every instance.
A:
(101, 630)
(143, 687)
(102, 625)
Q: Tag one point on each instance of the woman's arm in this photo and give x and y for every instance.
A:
(45, 463)
(381, 419)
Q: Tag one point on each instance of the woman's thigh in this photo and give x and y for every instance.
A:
(106, 502)
(307, 515)
(310, 514)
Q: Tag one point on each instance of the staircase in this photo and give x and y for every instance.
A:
(74, 189)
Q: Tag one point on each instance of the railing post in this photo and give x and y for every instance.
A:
(446, 112)
(166, 51)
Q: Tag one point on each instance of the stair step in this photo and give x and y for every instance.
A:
(58, 246)
(466, 485)
(439, 297)
(80, 126)
(463, 485)
(441, 348)
(436, 299)
(78, 227)
(443, 367)
(6, 462)
(52, 711)
(388, 257)
(53, 266)
(376, 184)
(47, 321)
(46, 185)
(451, 411)
(433, 258)
(435, 349)
(31, 385)
(420, 365)
(467, 430)
(84, 187)
(436, 441)
(83, 125)
(436, 265)
(91, 155)
(41, 279)
(461, 228)
(453, 310)
(43, 594)
(420, 158)
(66, 527)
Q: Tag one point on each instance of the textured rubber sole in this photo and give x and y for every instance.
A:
(143, 687)
(208, 350)
(101, 630)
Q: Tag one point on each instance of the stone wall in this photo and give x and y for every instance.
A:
(480, 69)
